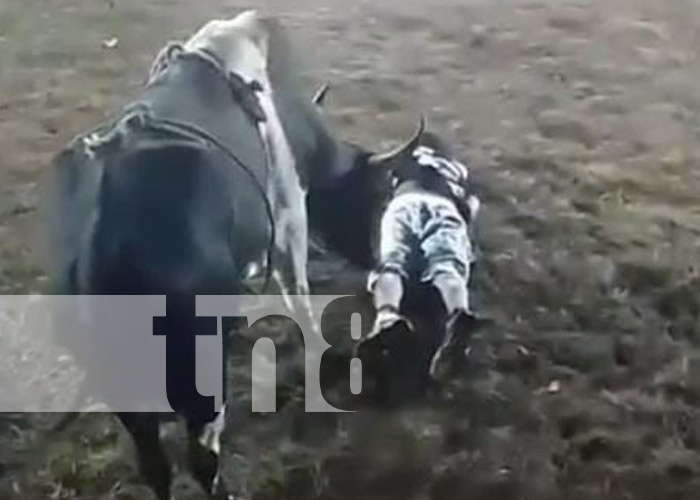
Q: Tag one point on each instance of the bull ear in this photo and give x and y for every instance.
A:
(320, 95)
(406, 147)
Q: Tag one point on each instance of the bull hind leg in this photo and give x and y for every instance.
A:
(295, 291)
(204, 451)
(153, 464)
(291, 278)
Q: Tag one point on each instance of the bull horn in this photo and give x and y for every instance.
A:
(320, 95)
(410, 145)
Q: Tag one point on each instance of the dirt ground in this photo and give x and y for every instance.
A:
(581, 121)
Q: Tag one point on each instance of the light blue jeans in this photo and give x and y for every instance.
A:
(423, 228)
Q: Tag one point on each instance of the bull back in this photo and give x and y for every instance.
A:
(169, 222)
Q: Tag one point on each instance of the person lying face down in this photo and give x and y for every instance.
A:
(424, 235)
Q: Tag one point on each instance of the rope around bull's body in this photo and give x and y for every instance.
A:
(185, 129)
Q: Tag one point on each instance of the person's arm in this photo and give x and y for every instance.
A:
(463, 208)
(467, 203)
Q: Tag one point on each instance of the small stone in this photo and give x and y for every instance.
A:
(554, 387)
(478, 36)
(110, 43)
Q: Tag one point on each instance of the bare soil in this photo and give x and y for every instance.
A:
(581, 121)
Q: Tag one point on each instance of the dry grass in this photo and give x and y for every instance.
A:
(581, 119)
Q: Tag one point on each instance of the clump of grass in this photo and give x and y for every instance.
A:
(18, 272)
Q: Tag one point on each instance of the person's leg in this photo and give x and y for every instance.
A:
(388, 293)
(459, 326)
(454, 291)
(447, 249)
(448, 255)
(386, 283)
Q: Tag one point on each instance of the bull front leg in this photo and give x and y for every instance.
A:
(291, 272)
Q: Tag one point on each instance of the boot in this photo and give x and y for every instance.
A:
(452, 350)
(390, 354)
(388, 321)
(389, 318)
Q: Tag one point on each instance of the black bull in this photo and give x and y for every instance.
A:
(151, 211)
